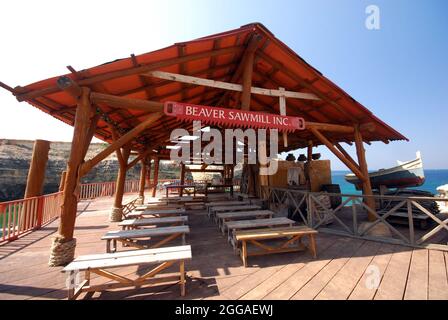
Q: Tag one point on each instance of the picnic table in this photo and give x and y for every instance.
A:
(180, 187)
(145, 222)
(130, 237)
(245, 207)
(238, 215)
(100, 263)
(219, 186)
(233, 226)
(156, 212)
(292, 235)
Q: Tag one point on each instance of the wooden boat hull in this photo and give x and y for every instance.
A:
(405, 175)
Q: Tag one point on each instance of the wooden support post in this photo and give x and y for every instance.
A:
(366, 186)
(141, 190)
(182, 178)
(35, 180)
(63, 246)
(148, 175)
(247, 81)
(309, 158)
(156, 175)
(36, 174)
(62, 181)
(117, 210)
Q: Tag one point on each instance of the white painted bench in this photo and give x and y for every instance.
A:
(291, 234)
(233, 226)
(100, 263)
(156, 212)
(240, 215)
(245, 207)
(144, 222)
(129, 237)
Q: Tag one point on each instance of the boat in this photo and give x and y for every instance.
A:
(404, 175)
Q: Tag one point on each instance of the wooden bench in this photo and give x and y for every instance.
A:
(161, 206)
(100, 263)
(189, 205)
(233, 226)
(208, 205)
(156, 212)
(245, 207)
(129, 224)
(239, 215)
(292, 235)
(129, 237)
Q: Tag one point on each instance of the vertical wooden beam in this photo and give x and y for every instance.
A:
(117, 210)
(366, 186)
(141, 190)
(62, 181)
(309, 151)
(247, 81)
(182, 178)
(148, 175)
(63, 246)
(156, 175)
(36, 174)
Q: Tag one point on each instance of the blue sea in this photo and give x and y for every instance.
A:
(434, 179)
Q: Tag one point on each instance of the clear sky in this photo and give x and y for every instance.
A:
(399, 71)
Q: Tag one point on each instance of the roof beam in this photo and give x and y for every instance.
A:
(126, 103)
(229, 86)
(305, 84)
(129, 71)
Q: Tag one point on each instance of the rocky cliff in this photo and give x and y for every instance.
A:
(15, 157)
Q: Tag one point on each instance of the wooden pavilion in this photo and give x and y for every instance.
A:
(122, 103)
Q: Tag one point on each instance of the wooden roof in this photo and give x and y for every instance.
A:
(217, 57)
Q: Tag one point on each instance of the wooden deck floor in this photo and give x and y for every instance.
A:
(343, 270)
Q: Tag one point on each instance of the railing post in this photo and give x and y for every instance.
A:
(355, 216)
(40, 212)
(411, 222)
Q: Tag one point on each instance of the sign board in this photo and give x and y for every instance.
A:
(233, 117)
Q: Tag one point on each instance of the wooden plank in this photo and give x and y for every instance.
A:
(438, 281)
(393, 284)
(417, 284)
(229, 86)
(288, 289)
(244, 224)
(153, 221)
(345, 280)
(235, 208)
(226, 203)
(243, 214)
(282, 275)
(113, 262)
(162, 211)
(381, 260)
(273, 232)
(144, 233)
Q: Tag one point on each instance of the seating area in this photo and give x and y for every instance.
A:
(150, 234)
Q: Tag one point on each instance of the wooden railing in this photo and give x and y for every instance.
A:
(104, 189)
(21, 216)
(407, 220)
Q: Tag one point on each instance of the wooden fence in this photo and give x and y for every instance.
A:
(408, 220)
(21, 216)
